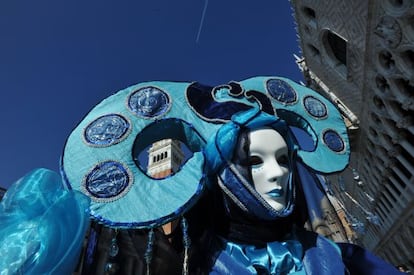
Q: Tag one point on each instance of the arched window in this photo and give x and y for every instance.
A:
(336, 51)
(309, 12)
(310, 16)
(337, 46)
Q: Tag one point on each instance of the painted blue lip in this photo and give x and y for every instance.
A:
(275, 193)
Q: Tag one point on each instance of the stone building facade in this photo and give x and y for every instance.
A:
(360, 54)
(164, 158)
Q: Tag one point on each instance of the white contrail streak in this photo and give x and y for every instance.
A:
(202, 20)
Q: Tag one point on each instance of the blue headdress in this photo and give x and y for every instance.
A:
(100, 156)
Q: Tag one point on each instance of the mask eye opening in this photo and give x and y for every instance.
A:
(283, 160)
(255, 161)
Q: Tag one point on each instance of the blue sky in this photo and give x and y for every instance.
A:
(58, 59)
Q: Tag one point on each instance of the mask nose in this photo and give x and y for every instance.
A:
(275, 172)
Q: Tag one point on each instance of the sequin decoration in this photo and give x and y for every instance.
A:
(334, 141)
(281, 91)
(315, 107)
(106, 130)
(108, 181)
(149, 102)
(113, 249)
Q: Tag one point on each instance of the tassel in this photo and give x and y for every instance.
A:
(148, 252)
(186, 243)
(114, 249)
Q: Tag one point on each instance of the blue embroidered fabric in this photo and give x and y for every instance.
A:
(42, 226)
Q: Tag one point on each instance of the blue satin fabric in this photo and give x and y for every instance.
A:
(361, 261)
(276, 258)
(42, 226)
(306, 253)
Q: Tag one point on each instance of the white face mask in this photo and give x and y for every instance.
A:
(268, 158)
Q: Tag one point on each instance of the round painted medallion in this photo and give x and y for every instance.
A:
(106, 130)
(149, 102)
(333, 140)
(281, 91)
(107, 181)
(315, 107)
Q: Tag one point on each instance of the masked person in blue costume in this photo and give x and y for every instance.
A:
(261, 184)
(260, 205)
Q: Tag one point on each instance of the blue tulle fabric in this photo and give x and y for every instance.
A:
(42, 226)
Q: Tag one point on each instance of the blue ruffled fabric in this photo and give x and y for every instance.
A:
(304, 253)
(42, 226)
(276, 258)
